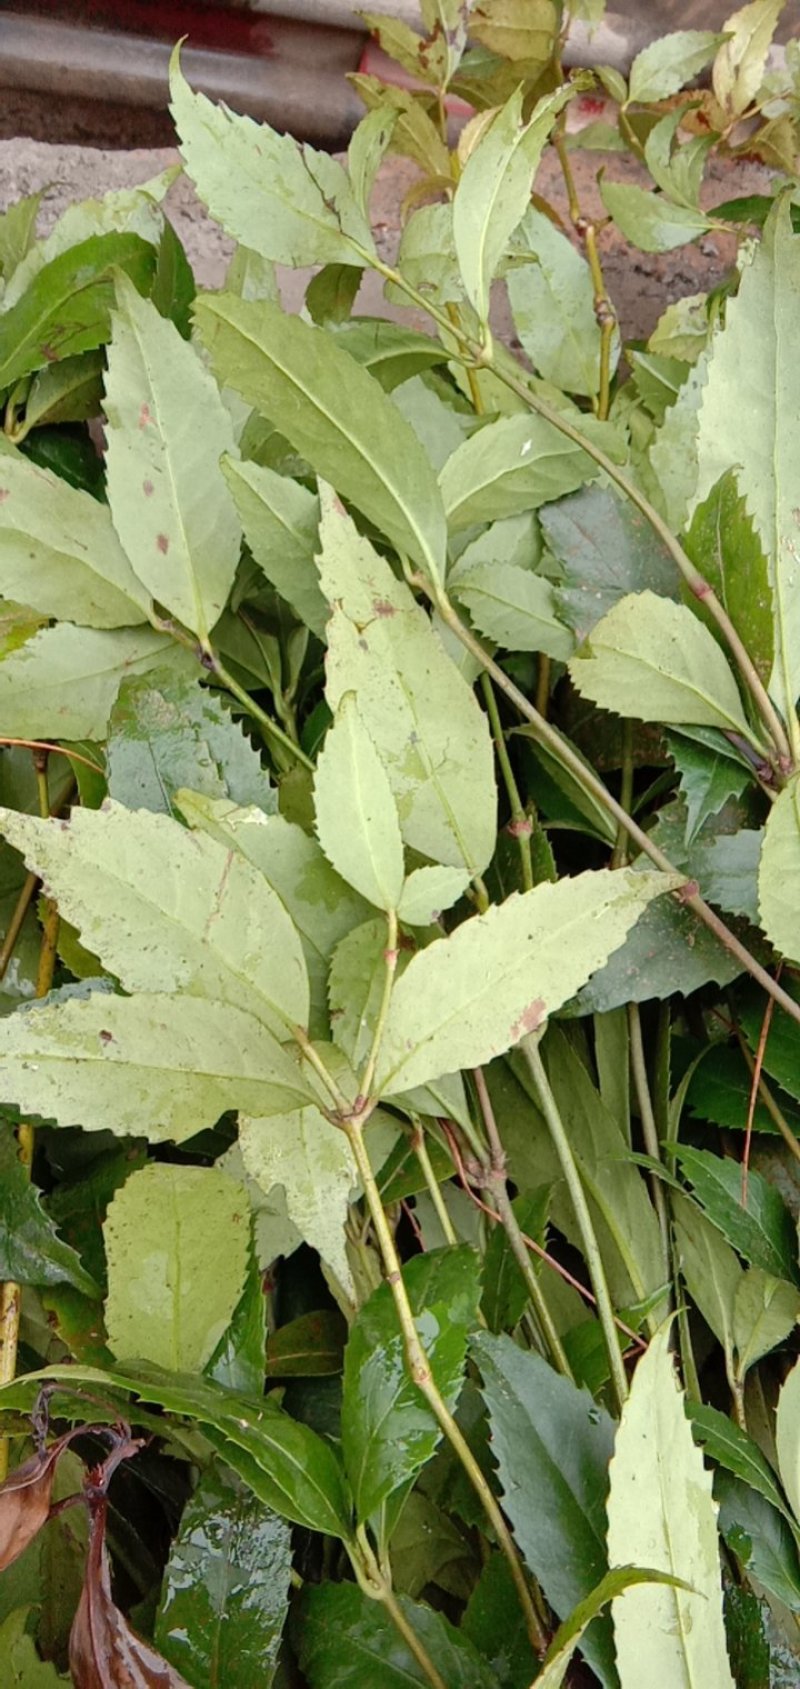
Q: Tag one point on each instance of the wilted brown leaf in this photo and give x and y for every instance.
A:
(25, 1503)
(104, 1653)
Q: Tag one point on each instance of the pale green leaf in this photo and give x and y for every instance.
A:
(711, 1270)
(154, 1065)
(356, 813)
(661, 1514)
(787, 1438)
(59, 552)
(285, 201)
(512, 606)
(650, 220)
(322, 907)
(428, 729)
(514, 464)
(426, 258)
(281, 524)
(427, 405)
(671, 61)
(167, 430)
(135, 211)
(169, 910)
(471, 996)
(177, 1244)
(741, 60)
(17, 233)
(63, 682)
(674, 452)
(652, 659)
(779, 872)
(167, 733)
(313, 1162)
(369, 144)
(66, 309)
(355, 987)
(568, 1636)
(332, 412)
(754, 354)
(766, 1311)
(494, 190)
(552, 303)
(428, 891)
(523, 31)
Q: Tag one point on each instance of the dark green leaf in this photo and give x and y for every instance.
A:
(17, 232)
(167, 732)
(389, 352)
(31, 1251)
(346, 1641)
(238, 1361)
(311, 1346)
(388, 1431)
(173, 288)
(720, 1087)
(782, 1049)
(494, 1621)
(226, 1586)
(67, 306)
(606, 550)
(760, 1538)
(762, 1231)
(331, 294)
(723, 543)
(505, 1293)
(748, 1643)
(732, 1448)
(552, 1445)
(708, 776)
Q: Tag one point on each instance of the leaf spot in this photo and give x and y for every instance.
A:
(145, 415)
(163, 544)
(529, 1020)
(5, 492)
(106, 1037)
(148, 489)
(382, 607)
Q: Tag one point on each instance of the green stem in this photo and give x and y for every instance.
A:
(577, 1195)
(421, 1375)
(649, 1128)
(625, 795)
(390, 969)
(372, 1581)
(472, 352)
(594, 785)
(495, 1178)
(521, 825)
(434, 1188)
(265, 722)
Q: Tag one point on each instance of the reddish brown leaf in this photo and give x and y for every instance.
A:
(104, 1653)
(25, 1503)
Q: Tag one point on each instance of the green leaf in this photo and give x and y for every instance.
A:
(238, 1360)
(284, 1463)
(711, 1270)
(494, 190)
(310, 1346)
(331, 294)
(740, 62)
(674, 451)
(569, 1634)
(166, 910)
(426, 258)
(787, 1438)
(67, 307)
(313, 1162)
(494, 1621)
(388, 1430)
(164, 1066)
(670, 62)
(177, 1245)
(513, 464)
(389, 352)
(779, 872)
(552, 303)
(347, 1641)
(766, 1310)
(281, 525)
(649, 220)
(128, 211)
(660, 1512)
(762, 1230)
(505, 1293)
(70, 391)
(369, 143)
(471, 996)
(428, 729)
(167, 430)
(62, 683)
(720, 1089)
(511, 606)
(653, 660)
(59, 552)
(20, 1663)
(726, 549)
(708, 778)
(226, 1588)
(31, 1251)
(781, 1051)
(17, 232)
(356, 813)
(167, 732)
(606, 549)
(333, 413)
(552, 1445)
(735, 1451)
(753, 354)
(669, 950)
(322, 907)
(761, 1539)
(523, 31)
(285, 201)
(428, 892)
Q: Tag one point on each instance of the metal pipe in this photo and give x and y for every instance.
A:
(301, 86)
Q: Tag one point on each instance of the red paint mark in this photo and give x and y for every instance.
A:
(529, 1019)
(145, 416)
(148, 489)
(592, 105)
(163, 544)
(382, 607)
